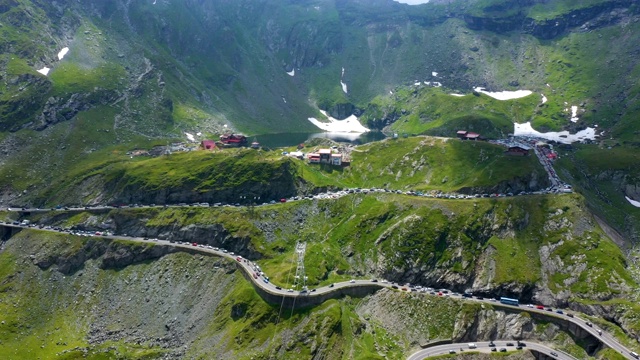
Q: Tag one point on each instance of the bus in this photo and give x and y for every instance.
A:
(509, 301)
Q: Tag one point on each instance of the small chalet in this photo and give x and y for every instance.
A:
(518, 150)
(325, 156)
(467, 135)
(208, 144)
(552, 156)
(314, 158)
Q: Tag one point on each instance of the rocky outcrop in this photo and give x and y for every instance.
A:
(72, 260)
(588, 18)
(530, 182)
(58, 109)
(118, 255)
(112, 255)
(281, 184)
(583, 19)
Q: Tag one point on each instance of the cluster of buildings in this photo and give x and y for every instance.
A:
(327, 156)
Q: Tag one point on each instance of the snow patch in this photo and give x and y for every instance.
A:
(344, 86)
(458, 95)
(562, 137)
(44, 71)
(190, 137)
(292, 72)
(633, 202)
(434, 74)
(62, 53)
(574, 114)
(504, 95)
(348, 125)
(544, 98)
(154, 2)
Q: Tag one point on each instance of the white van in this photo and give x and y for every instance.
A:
(635, 355)
(472, 346)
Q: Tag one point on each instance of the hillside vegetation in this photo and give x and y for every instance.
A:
(523, 247)
(232, 175)
(184, 306)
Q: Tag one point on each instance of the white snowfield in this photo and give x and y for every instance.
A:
(458, 95)
(348, 125)
(544, 98)
(574, 114)
(344, 86)
(44, 71)
(62, 53)
(563, 136)
(190, 137)
(292, 72)
(633, 202)
(504, 95)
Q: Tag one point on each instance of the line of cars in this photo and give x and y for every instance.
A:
(520, 345)
(326, 195)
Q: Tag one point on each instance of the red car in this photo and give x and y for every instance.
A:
(194, 244)
(283, 200)
(539, 307)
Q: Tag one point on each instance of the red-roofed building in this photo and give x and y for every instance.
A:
(472, 136)
(314, 158)
(208, 144)
(468, 135)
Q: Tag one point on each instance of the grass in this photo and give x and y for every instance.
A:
(426, 164)
(367, 236)
(434, 111)
(514, 260)
(601, 174)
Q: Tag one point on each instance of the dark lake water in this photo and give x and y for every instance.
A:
(292, 139)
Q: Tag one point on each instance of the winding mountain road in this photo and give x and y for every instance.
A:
(484, 347)
(264, 284)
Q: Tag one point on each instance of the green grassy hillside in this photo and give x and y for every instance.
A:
(605, 176)
(419, 163)
(426, 163)
(193, 306)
